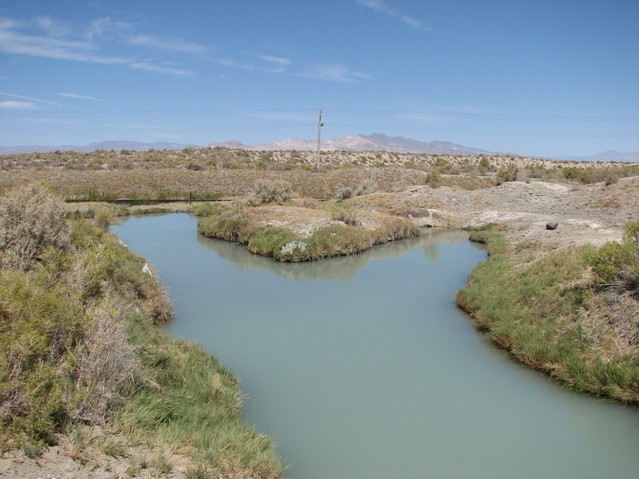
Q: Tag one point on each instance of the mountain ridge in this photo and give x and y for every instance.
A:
(373, 142)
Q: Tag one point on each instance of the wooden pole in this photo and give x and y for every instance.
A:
(319, 130)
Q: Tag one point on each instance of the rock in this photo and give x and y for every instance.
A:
(290, 248)
(552, 225)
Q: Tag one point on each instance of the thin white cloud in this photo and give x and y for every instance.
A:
(322, 71)
(334, 72)
(153, 67)
(230, 63)
(277, 60)
(383, 7)
(267, 115)
(14, 42)
(84, 47)
(17, 105)
(426, 117)
(166, 44)
(275, 64)
(80, 97)
(53, 27)
(107, 28)
(31, 98)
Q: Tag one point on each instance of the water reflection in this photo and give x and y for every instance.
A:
(342, 268)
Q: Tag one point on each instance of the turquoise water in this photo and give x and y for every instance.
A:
(362, 367)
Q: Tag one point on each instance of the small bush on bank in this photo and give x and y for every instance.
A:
(206, 209)
(616, 265)
(230, 228)
(346, 215)
(270, 191)
(103, 217)
(345, 192)
(31, 220)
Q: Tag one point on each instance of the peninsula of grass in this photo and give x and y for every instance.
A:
(285, 245)
(79, 348)
(571, 314)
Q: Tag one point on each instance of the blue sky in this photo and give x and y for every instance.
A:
(540, 78)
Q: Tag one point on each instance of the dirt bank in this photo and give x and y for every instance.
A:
(589, 214)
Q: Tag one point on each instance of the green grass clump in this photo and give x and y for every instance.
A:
(550, 317)
(271, 240)
(206, 209)
(227, 227)
(195, 402)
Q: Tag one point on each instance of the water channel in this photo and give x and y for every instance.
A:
(362, 367)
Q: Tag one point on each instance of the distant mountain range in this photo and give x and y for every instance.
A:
(103, 145)
(374, 142)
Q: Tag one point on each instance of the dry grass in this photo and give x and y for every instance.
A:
(108, 367)
(172, 183)
(210, 172)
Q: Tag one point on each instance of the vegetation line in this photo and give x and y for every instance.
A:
(572, 314)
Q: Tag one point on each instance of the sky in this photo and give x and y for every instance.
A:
(539, 78)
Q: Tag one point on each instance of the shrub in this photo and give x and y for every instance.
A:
(583, 175)
(103, 217)
(31, 220)
(365, 188)
(343, 193)
(616, 265)
(227, 228)
(346, 215)
(270, 191)
(192, 165)
(434, 179)
(108, 368)
(443, 165)
(506, 174)
(36, 357)
(206, 209)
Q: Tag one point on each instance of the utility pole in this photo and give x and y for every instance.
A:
(319, 130)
